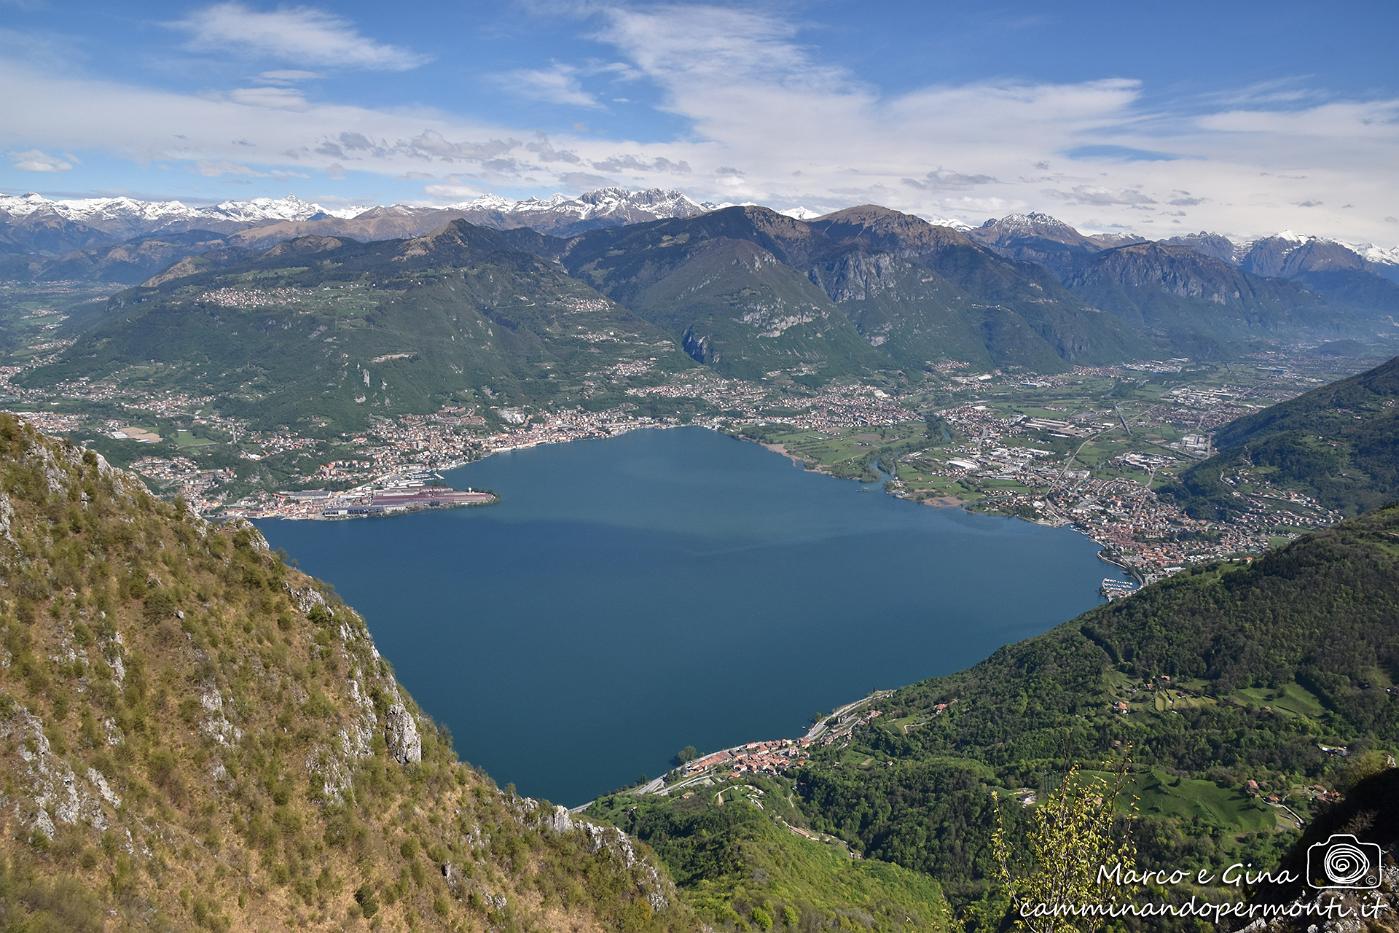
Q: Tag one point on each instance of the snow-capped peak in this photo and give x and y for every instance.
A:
(952, 222)
(619, 203)
(1031, 222)
(258, 209)
(1377, 254)
(486, 202)
(345, 213)
(120, 210)
(95, 209)
(800, 213)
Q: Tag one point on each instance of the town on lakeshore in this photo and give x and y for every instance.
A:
(1086, 448)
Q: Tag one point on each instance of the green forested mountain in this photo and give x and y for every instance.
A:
(325, 333)
(914, 292)
(194, 736)
(721, 284)
(1338, 443)
(745, 857)
(1201, 684)
(322, 331)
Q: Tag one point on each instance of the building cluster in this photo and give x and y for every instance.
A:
(250, 298)
(201, 487)
(772, 756)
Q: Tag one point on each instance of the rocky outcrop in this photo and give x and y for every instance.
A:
(599, 839)
(857, 276)
(698, 347)
(55, 795)
(401, 735)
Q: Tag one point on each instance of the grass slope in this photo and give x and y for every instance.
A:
(742, 865)
(192, 735)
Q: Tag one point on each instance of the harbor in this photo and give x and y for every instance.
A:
(1111, 589)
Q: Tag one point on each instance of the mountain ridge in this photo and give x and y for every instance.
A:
(556, 213)
(196, 735)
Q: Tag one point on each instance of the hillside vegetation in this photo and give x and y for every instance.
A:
(326, 334)
(1197, 686)
(745, 858)
(1338, 443)
(193, 735)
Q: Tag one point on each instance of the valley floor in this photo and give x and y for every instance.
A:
(1088, 448)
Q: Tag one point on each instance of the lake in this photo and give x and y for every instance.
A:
(633, 595)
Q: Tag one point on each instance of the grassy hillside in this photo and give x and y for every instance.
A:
(1338, 444)
(193, 736)
(745, 859)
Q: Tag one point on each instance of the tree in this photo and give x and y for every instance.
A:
(1073, 839)
(685, 755)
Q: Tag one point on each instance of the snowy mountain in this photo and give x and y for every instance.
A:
(1288, 254)
(561, 215)
(94, 210)
(259, 210)
(34, 223)
(1376, 254)
(1032, 224)
(105, 213)
(1037, 238)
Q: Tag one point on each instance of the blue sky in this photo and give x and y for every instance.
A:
(1154, 117)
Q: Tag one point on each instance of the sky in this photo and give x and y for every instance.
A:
(1152, 117)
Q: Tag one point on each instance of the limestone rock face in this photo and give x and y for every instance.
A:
(607, 841)
(560, 821)
(401, 734)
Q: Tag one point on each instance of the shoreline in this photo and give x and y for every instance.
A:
(936, 502)
(697, 773)
(740, 751)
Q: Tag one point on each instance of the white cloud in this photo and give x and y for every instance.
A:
(286, 76)
(453, 192)
(557, 84)
(751, 95)
(303, 35)
(34, 160)
(216, 169)
(278, 98)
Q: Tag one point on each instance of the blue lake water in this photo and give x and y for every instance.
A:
(633, 595)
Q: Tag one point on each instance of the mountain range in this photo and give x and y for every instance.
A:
(387, 326)
(34, 223)
(31, 223)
